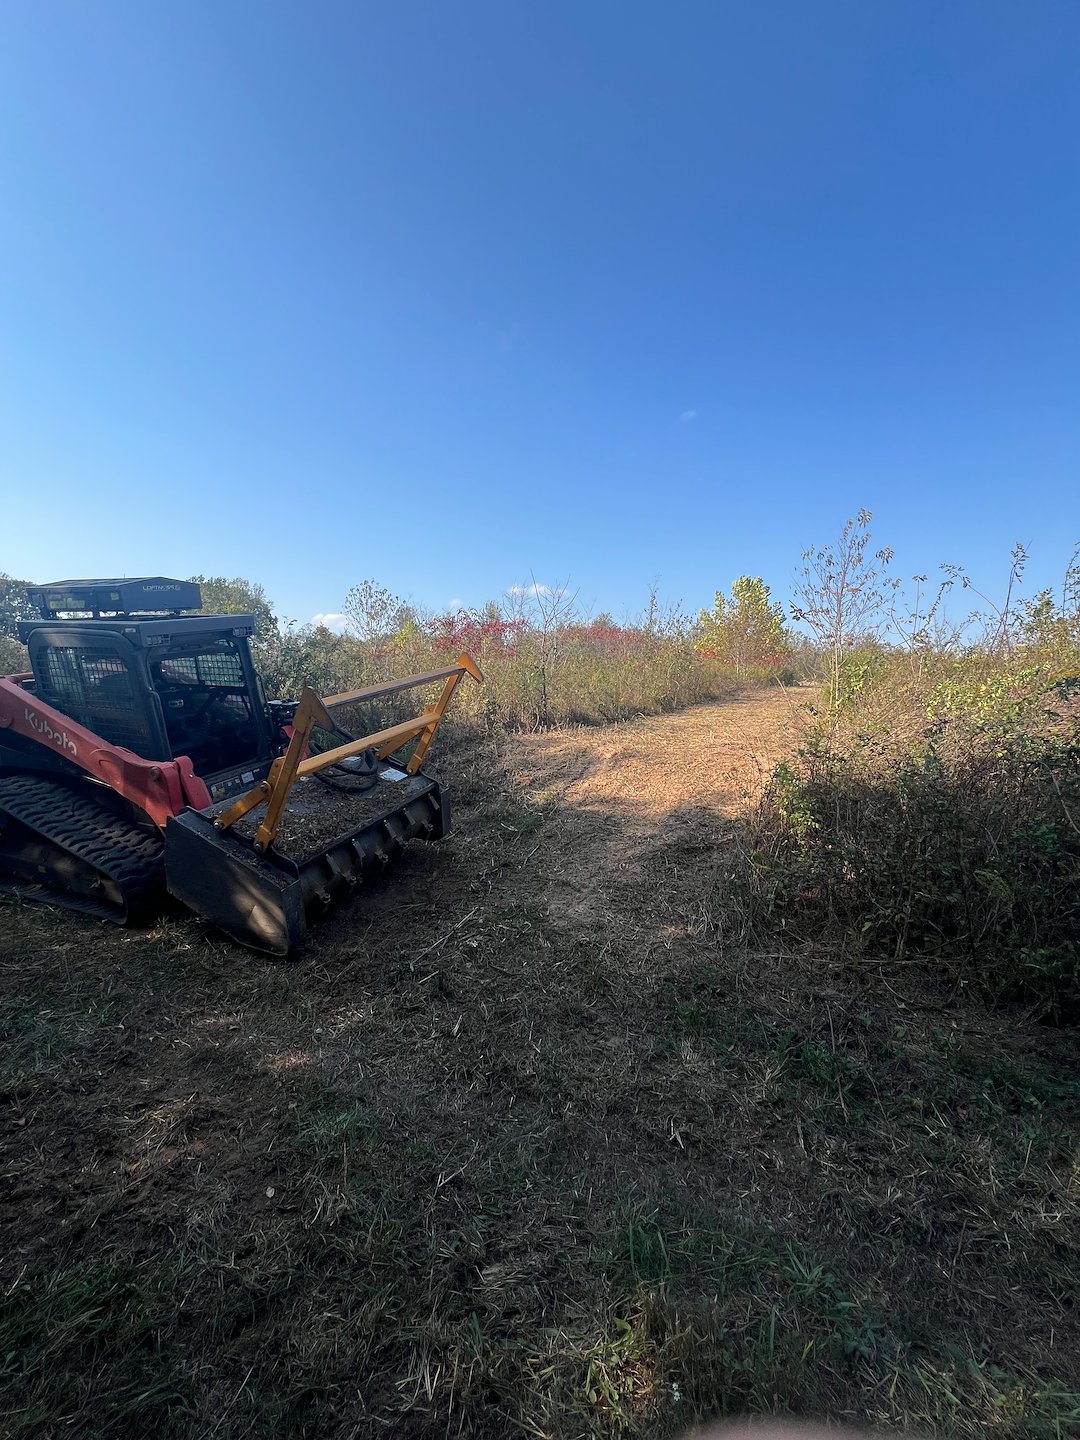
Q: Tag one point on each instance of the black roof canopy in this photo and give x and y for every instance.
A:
(143, 595)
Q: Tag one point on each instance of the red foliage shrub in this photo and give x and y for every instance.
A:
(475, 632)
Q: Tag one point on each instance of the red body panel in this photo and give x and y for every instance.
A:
(159, 787)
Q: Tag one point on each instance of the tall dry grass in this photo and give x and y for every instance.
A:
(575, 672)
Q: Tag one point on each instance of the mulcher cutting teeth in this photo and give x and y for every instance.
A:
(266, 900)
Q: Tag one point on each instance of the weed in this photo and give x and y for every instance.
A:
(956, 840)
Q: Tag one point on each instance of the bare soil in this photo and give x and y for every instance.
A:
(530, 1143)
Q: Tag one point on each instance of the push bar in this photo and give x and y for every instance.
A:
(311, 711)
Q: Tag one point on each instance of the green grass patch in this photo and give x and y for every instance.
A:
(41, 1031)
(87, 1349)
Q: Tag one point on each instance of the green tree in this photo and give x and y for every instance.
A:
(1051, 622)
(299, 655)
(238, 597)
(14, 607)
(746, 628)
(841, 594)
(375, 613)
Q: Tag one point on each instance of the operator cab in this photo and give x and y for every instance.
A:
(161, 685)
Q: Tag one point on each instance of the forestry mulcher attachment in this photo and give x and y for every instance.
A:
(140, 756)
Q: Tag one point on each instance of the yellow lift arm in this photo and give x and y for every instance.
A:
(311, 710)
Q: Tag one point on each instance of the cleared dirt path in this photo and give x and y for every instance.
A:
(713, 756)
(621, 798)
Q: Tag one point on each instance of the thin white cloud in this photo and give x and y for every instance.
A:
(687, 416)
(534, 589)
(455, 604)
(331, 621)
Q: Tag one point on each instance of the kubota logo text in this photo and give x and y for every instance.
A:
(58, 737)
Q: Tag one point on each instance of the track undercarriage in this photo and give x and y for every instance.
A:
(62, 846)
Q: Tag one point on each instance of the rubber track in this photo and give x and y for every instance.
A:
(117, 849)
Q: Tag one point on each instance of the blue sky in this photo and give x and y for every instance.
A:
(451, 294)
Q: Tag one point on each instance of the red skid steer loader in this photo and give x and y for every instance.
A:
(140, 756)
